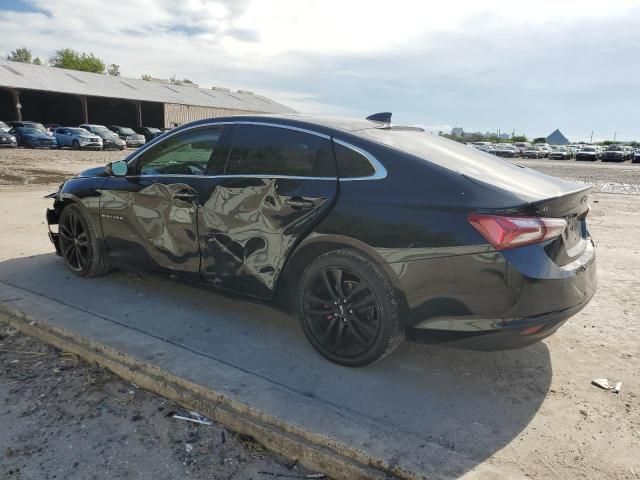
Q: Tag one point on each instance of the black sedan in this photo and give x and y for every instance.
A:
(149, 133)
(369, 232)
(33, 138)
(614, 153)
(7, 140)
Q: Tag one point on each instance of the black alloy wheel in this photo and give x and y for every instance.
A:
(78, 245)
(74, 242)
(348, 309)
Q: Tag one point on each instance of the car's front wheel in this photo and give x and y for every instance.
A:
(78, 244)
(348, 308)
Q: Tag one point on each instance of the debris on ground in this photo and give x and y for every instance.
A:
(194, 417)
(82, 421)
(606, 384)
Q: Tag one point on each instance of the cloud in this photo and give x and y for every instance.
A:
(533, 68)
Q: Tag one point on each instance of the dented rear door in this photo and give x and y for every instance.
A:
(280, 181)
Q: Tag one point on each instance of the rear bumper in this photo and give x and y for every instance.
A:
(500, 301)
(508, 334)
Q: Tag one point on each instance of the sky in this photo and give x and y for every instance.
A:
(524, 66)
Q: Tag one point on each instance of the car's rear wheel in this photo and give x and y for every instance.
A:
(348, 309)
(76, 145)
(78, 244)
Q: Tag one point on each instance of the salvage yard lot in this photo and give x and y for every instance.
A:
(530, 412)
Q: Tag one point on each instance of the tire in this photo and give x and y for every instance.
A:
(358, 320)
(75, 145)
(82, 257)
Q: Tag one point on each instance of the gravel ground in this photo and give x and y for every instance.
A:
(63, 418)
(606, 177)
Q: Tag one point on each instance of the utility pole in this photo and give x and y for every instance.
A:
(614, 136)
(591, 141)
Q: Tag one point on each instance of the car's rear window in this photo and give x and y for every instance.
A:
(468, 161)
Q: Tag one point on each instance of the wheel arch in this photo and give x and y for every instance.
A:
(318, 244)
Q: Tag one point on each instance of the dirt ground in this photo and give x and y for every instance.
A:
(580, 430)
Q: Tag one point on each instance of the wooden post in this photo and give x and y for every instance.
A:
(85, 108)
(139, 112)
(16, 102)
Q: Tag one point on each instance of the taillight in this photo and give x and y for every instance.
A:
(504, 232)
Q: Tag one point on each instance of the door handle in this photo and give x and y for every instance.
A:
(186, 196)
(299, 203)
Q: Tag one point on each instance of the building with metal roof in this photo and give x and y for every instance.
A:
(70, 97)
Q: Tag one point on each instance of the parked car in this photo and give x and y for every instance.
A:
(506, 150)
(636, 156)
(4, 127)
(33, 138)
(588, 152)
(614, 153)
(110, 140)
(52, 126)
(372, 234)
(132, 138)
(36, 125)
(77, 138)
(532, 152)
(149, 132)
(7, 140)
(629, 151)
(560, 153)
(544, 150)
(522, 146)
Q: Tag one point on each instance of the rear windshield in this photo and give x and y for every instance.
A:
(469, 162)
(78, 131)
(126, 131)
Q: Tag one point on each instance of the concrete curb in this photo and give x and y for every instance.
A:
(313, 451)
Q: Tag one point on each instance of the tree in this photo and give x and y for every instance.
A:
(37, 61)
(113, 70)
(69, 58)
(540, 140)
(146, 77)
(519, 138)
(22, 55)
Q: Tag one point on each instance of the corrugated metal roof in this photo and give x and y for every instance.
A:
(49, 79)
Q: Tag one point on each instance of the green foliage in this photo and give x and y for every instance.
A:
(540, 140)
(37, 61)
(608, 142)
(519, 138)
(146, 77)
(22, 55)
(113, 70)
(69, 58)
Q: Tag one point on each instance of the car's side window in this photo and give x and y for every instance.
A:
(352, 164)
(267, 150)
(186, 154)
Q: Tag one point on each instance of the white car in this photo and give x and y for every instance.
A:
(77, 138)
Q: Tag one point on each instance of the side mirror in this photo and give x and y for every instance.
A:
(118, 169)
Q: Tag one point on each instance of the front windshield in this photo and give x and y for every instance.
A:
(588, 149)
(79, 131)
(36, 126)
(28, 131)
(614, 148)
(127, 131)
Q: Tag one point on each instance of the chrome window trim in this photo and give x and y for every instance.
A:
(379, 170)
(261, 175)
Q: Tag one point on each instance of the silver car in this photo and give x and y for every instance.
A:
(77, 138)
